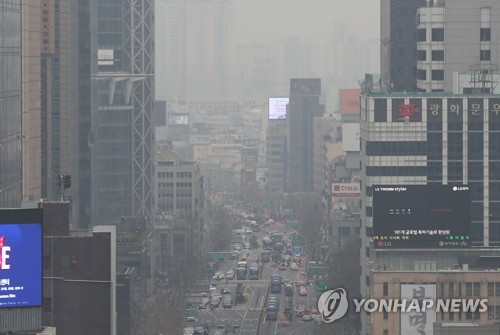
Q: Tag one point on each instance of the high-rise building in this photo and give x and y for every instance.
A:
(121, 136)
(195, 49)
(303, 107)
(430, 139)
(10, 104)
(31, 25)
(65, 100)
(457, 37)
(398, 61)
(276, 154)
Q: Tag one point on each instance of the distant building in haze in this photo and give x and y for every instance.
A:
(303, 107)
(195, 51)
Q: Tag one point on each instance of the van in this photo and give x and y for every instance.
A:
(227, 301)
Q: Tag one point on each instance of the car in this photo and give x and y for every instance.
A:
(191, 319)
(213, 288)
(302, 290)
(188, 331)
(294, 266)
(283, 266)
(237, 247)
(229, 274)
(225, 290)
(306, 317)
(218, 276)
(215, 302)
(227, 301)
(299, 283)
(299, 311)
(246, 246)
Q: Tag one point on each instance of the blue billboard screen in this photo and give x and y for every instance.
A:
(20, 258)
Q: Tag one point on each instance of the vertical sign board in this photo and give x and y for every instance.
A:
(20, 258)
(421, 322)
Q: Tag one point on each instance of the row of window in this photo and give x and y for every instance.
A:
(438, 56)
(177, 195)
(435, 74)
(171, 174)
(437, 35)
(454, 289)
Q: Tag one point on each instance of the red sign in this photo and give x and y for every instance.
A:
(346, 189)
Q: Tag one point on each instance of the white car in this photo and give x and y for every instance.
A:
(306, 317)
(294, 266)
(218, 276)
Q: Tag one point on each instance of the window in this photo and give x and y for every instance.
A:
(485, 55)
(437, 74)
(497, 289)
(451, 289)
(385, 289)
(468, 289)
(421, 35)
(386, 315)
(438, 55)
(437, 34)
(476, 289)
(485, 34)
(451, 316)
(386, 332)
(421, 55)
(421, 74)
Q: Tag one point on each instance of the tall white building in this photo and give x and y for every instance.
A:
(194, 48)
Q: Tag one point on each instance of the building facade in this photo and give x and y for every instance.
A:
(303, 107)
(398, 61)
(432, 139)
(276, 156)
(11, 171)
(31, 32)
(457, 37)
(122, 138)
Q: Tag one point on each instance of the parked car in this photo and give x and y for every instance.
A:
(302, 290)
(306, 317)
(294, 266)
(283, 266)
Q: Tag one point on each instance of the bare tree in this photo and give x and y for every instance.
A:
(308, 210)
(220, 234)
(345, 270)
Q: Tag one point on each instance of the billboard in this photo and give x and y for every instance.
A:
(421, 216)
(277, 108)
(177, 119)
(349, 101)
(350, 137)
(345, 189)
(20, 258)
(421, 322)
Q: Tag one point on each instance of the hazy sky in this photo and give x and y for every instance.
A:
(313, 19)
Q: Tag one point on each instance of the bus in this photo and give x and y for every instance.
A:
(253, 271)
(267, 243)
